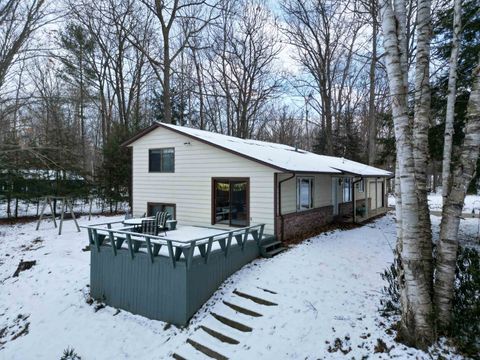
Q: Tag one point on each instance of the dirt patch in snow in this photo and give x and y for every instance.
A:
(18, 327)
(24, 265)
(34, 245)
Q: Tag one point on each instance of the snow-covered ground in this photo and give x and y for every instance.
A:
(327, 291)
(435, 201)
(26, 208)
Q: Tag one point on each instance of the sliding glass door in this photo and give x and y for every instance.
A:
(230, 202)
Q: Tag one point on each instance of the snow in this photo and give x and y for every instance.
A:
(326, 288)
(30, 208)
(189, 233)
(435, 201)
(282, 156)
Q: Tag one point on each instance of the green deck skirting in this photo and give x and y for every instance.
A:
(157, 289)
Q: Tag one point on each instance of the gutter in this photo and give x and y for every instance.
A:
(280, 203)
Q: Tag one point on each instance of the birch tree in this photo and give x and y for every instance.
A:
(414, 281)
(421, 124)
(461, 175)
(452, 91)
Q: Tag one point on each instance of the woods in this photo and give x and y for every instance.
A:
(395, 84)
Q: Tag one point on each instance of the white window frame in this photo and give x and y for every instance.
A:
(345, 182)
(301, 207)
(361, 186)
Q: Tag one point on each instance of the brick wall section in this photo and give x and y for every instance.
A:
(361, 203)
(345, 208)
(303, 223)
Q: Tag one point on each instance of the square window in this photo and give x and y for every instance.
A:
(161, 160)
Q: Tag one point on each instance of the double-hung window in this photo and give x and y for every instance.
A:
(347, 189)
(361, 186)
(304, 193)
(161, 160)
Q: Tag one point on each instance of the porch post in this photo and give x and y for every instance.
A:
(367, 185)
(354, 205)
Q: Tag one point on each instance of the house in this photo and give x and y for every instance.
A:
(201, 178)
(233, 200)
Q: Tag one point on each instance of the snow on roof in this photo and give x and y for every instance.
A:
(281, 156)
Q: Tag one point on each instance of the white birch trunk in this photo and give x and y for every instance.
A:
(416, 328)
(421, 124)
(462, 174)
(452, 92)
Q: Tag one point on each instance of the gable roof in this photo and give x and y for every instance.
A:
(282, 157)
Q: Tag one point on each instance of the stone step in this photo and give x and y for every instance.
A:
(232, 323)
(207, 351)
(187, 352)
(178, 357)
(254, 298)
(219, 336)
(266, 290)
(271, 245)
(274, 252)
(242, 309)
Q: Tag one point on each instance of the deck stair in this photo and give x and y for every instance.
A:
(210, 343)
(270, 246)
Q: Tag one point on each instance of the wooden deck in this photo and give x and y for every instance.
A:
(168, 277)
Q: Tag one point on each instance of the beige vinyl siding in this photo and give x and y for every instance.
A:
(190, 186)
(374, 187)
(360, 195)
(322, 191)
(375, 193)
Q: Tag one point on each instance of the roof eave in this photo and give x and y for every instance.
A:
(140, 134)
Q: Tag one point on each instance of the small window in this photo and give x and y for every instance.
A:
(361, 186)
(304, 193)
(347, 189)
(153, 208)
(161, 160)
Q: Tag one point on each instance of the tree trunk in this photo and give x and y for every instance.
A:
(167, 99)
(452, 92)
(462, 174)
(372, 116)
(420, 132)
(415, 327)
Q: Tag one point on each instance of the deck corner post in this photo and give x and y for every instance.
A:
(229, 242)
(95, 238)
(190, 251)
(245, 238)
(112, 242)
(209, 248)
(149, 247)
(130, 247)
(170, 252)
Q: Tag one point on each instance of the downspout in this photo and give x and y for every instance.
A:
(280, 203)
(354, 204)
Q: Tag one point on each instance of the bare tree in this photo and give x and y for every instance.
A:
(452, 91)
(372, 10)
(178, 22)
(324, 33)
(18, 20)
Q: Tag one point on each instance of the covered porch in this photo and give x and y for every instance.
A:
(369, 198)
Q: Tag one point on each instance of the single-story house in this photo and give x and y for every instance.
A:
(202, 178)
